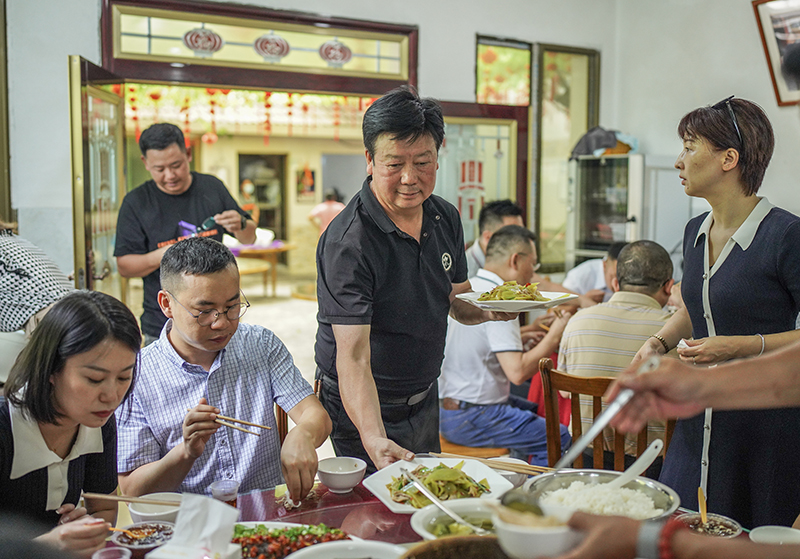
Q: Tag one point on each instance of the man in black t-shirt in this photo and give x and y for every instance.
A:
(390, 265)
(177, 203)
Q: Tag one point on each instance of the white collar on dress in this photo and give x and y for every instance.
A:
(746, 232)
(31, 452)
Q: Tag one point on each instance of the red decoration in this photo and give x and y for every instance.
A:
(203, 42)
(267, 123)
(336, 120)
(335, 53)
(271, 47)
(289, 105)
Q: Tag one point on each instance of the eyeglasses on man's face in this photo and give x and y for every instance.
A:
(726, 103)
(209, 317)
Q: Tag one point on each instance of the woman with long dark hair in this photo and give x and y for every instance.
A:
(57, 424)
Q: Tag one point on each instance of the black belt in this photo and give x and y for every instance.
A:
(408, 401)
(452, 404)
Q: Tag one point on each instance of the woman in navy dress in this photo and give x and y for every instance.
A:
(57, 424)
(741, 289)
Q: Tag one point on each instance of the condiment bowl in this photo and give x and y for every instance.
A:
(341, 474)
(150, 513)
(473, 511)
(716, 525)
(138, 550)
(775, 535)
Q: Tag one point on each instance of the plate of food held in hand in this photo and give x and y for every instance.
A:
(514, 297)
(447, 478)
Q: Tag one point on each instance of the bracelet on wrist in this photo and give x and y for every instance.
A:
(665, 540)
(762, 345)
(663, 342)
(647, 539)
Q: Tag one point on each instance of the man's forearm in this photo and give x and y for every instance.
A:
(247, 236)
(140, 265)
(166, 474)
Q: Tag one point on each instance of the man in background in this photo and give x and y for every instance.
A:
(492, 217)
(176, 204)
(594, 278)
(481, 362)
(603, 339)
(323, 213)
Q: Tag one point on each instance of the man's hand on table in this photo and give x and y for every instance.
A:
(384, 452)
(198, 426)
(299, 463)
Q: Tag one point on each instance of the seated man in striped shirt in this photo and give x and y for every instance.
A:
(206, 364)
(600, 341)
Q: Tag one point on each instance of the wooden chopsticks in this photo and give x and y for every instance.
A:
(526, 469)
(125, 499)
(243, 422)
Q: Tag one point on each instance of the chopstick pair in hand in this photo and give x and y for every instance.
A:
(220, 418)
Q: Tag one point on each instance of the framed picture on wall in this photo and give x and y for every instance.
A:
(779, 25)
(305, 185)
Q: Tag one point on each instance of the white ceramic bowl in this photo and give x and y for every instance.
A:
(515, 479)
(147, 513)
(775, 535)
(426, 518)
(341, 474)
(527, 542)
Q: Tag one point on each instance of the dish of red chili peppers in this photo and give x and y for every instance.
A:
(267, 541)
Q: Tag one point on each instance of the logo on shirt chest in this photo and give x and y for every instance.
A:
(447, 261)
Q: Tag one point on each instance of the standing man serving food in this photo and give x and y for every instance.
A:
(389, 269)
(175, 204)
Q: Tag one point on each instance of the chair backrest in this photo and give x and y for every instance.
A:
(282, 419)
(554, 381)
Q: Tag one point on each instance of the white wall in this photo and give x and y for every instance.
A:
(677, 55)
(659, 59)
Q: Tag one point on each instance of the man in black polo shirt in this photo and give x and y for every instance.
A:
(177, 203)
(390, 265)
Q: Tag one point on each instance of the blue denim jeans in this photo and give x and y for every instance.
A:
(501, 425)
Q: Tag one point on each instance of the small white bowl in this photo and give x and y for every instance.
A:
(341, 474)
(426, 518)
(775, 535)
(151, 513)
(346, 549)
(527, 542)
(515, 479)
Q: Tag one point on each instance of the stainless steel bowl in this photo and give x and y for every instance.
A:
(663, 497)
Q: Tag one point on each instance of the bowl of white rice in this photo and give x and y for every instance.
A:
(584, 490)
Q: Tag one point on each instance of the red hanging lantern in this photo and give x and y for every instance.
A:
(267, 123)
(289, 105)
(155, 96)
(336, 119)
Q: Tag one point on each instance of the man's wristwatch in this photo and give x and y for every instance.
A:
(244, 223)
(647, 542)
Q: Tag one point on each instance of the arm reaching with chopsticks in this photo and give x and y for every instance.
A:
(168, 473)
(299, 450)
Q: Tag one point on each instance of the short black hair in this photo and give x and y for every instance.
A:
(613, 251)
(405, 115)
(196, 256)
(643, 266)
(507, 240)
(715, 125)
(74, 325)
(492, 214)
(160, 136)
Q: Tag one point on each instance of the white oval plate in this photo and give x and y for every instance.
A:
(477, 471)
(554, 299)
(350, 550)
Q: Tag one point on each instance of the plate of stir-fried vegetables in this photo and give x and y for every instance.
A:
(447, 478)
(514, 297)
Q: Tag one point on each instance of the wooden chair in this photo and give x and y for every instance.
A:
(282, 419)
(554, 381)
(477, 452)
